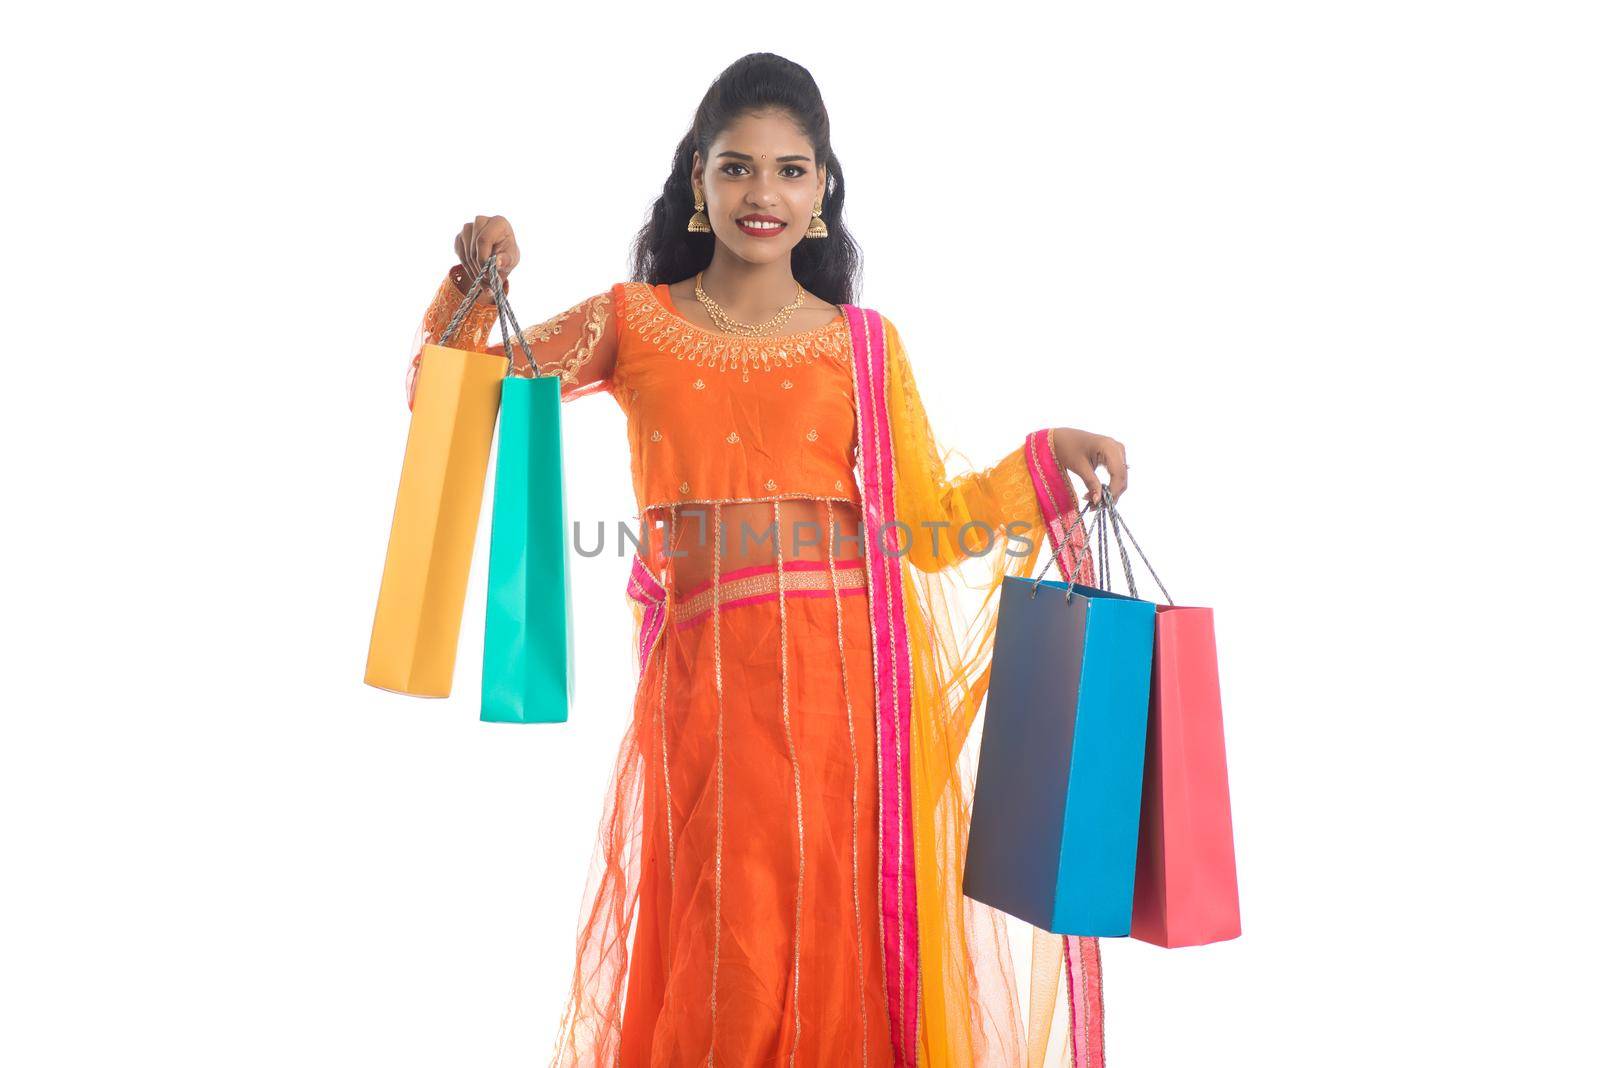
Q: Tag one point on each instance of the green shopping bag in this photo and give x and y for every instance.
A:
(527, 638)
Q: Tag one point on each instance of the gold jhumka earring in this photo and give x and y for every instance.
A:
(698, 223)
(817, 227)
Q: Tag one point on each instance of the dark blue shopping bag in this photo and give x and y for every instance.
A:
(1055, 808)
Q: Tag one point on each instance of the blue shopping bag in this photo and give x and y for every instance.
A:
(527, 639)
(1055, 808)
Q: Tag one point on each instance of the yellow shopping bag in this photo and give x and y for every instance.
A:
(418, 621)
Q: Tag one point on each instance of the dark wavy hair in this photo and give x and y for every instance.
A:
(664, 251)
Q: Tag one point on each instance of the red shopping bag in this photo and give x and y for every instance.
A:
(1185, 886)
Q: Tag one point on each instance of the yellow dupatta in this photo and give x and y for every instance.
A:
(970, 1011)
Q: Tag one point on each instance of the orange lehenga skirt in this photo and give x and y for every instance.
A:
(758, 925)
(755, 896)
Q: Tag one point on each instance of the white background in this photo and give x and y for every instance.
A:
(1328, 269)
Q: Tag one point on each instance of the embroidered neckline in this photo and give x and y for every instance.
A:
(671, 309)
(659, 323)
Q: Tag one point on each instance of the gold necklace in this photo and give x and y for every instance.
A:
(729, 325)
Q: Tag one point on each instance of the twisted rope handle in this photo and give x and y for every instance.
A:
(466, 303)
(491, 274)
(1101, 523)
(1097, 532)
(1119, 527)
(1055, 557)
(1098, 528)
(503, 308)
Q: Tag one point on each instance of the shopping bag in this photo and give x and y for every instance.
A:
(1055, 808)
(417, 625)
(1186, 890)
(527, 638)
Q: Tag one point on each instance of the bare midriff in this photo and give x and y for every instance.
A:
(685, 547)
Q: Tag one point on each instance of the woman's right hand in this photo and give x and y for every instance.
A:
(485, 236)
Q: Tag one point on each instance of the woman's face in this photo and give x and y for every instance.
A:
(762, 168)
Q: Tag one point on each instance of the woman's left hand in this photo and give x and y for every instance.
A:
(1081, 452)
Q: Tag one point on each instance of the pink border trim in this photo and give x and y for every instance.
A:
(901, 649)
(892, 683)
(648, 591)
(1057, 501)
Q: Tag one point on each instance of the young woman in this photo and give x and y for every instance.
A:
(787, 819)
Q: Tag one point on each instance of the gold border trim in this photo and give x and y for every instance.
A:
(851, 577)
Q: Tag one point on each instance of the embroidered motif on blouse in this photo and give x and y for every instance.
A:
(589, 331)
(644, 312)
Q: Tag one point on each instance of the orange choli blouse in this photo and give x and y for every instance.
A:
(711, 416)
(714, 417)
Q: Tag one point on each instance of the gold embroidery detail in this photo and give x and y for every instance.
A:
(666, 767)
(699, 383)
(644, 312)
(716, 916)
(655, 435)
(476, 326)
(855, 787)
(683, 487)
(733, 437)
(898, 995)
(850, 577)
(596, 309)
(771, 485)
(838, 484)
(794, 762)
(811, 435)
(634, 395)
(787, 384)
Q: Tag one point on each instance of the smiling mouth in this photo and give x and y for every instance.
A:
(761, 227)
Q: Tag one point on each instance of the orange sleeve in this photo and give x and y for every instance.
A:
(936, 498)
(578, 345)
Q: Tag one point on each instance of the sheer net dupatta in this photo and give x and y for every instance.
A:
(971, 1012)
(591, 1024)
